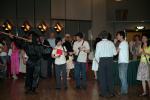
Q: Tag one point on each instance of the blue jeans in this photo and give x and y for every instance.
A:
(80, 73)
(3, 60)
(123, 67)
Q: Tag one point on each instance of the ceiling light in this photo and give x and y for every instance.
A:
(140, 27)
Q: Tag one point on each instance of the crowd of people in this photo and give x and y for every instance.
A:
(41, 57)
(103, 61)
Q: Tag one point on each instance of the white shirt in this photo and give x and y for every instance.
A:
(105, 48)
(82, 57)
(1, 45)
(9, 52)
(62, 59)
(3, 54)
(123, 52)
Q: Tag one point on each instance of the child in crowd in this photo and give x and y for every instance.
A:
(59, 53)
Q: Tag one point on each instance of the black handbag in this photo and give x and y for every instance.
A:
(75, 58)
(67, 57)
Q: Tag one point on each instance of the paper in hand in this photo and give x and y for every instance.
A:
(59, 52)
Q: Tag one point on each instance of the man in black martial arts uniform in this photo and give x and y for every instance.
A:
(34, 52)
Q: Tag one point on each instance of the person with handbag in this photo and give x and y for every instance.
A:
(81, 49)
(95, 62)
(69, 57)
(143, 73)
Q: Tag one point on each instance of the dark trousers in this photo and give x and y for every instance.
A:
(3, 69)
(49, 68)
(43, 68)
(60, 71)
(105, 76)
(80, 73)
(32, 75)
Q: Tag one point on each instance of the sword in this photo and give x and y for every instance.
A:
(25, 39)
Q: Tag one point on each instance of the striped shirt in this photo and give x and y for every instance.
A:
(105, 48)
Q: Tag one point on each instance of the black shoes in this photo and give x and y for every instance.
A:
(58, 88)
(78, 87)
(107, 96)
(66, 88)
(30, 91)
(83, 87)
(27, 90)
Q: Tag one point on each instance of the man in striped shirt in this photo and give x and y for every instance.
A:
(105, 50)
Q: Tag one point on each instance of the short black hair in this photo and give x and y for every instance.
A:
(121, 33)
(109, 36)
(96, 41)
(148, 41)
(58, 39)
(52, 30)
(104, 34)
(2, 43)
(80, 34)
(33, 33)
(34, 36)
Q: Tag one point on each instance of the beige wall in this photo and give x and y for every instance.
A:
(99, 17)
(75, 9)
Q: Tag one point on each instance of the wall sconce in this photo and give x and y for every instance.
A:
(26, 26)
(58, 27)
(7, 26)
(42, 27)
